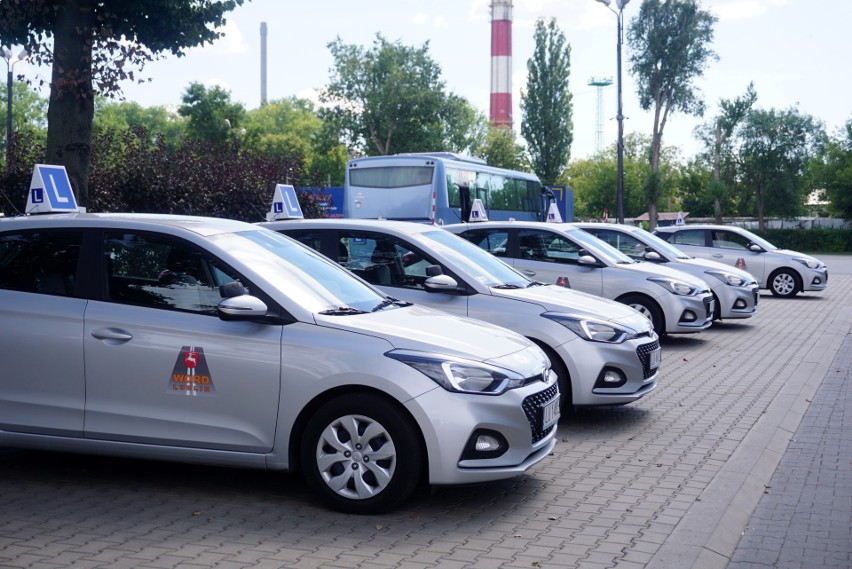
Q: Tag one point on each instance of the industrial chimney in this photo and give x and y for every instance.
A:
(501, 63)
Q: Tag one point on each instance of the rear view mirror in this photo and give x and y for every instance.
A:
(242, 307)
(437, 281)
(587, 260)
(652, 256)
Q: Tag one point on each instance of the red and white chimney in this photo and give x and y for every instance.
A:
(501, 63)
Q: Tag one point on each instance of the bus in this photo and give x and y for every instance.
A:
(439, 188)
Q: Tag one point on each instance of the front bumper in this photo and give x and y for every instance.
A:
(449, 420)
(736, 301)
(587, 361)
(689, 314)
(814, 279)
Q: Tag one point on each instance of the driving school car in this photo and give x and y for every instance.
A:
(219, 342)
(603, 352)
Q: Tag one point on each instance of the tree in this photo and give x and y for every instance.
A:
(158, 121)
(834, 171)
(212, 117)
(391, 99)
(716, 138)
(94, 45)
(670, 44)
(774, 149)
(501, 150)
(546, 103)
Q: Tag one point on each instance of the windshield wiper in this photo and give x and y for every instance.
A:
(536, 283)
(388, 302)
(341, 311)
(507, 285)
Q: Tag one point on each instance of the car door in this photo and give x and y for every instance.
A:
(691, 241)
(731, 248)
(161, 367)
(42, 386)
(397, 267)
(551, 257)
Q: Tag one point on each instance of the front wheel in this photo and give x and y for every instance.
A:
(784, 283)
(361, 454)
(647, 308)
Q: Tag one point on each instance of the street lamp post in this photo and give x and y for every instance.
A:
(619, 195)
(11, 60)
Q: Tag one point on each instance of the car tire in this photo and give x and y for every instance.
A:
(717, 311)
(362, 454)
(648, 308)
(563, 378)
(785, 283)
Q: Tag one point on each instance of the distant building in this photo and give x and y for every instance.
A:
(665, 218)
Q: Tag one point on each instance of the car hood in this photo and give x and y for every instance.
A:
(791, 254)
(707, 264)
(422, 329)
(554, 298)
(652, 270)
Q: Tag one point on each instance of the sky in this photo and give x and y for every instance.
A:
(796, 52)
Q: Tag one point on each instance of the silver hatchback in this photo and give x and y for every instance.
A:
(735, 291)
(785, 273)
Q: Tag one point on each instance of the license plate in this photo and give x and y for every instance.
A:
(550, 413)
(654, 358)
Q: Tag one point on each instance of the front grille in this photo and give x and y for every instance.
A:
(644, 353)
(708, 306)
(531, 406)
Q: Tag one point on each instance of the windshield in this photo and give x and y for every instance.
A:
(660, 245)
(303, 275)
(603, 251)
(759, 240)
(478, 264)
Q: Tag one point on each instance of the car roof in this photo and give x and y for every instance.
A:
(204, 226)
(517, 223)
(697, 226)
(401, 227)
(622, 226)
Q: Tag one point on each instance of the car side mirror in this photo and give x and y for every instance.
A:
(587, 260)
(652, 256)
(437, 281)
(242, 307)
(755, 247)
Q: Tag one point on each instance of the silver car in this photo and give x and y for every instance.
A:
(560, 253)
(785, 273)
(735, 291)
(603, 352)
(223, 343)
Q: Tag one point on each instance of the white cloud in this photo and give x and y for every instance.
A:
(232, 41)
(438, 21)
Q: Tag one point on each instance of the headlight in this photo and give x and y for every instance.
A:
(728, 278)
(675, 286)
(592, 329)
(459, 375)
(809, 263)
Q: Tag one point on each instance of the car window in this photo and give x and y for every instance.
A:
(625, 243)
(546, 246)
(382, 259)
(495, 241)
(162, 272)
(688, 237)
(40, 261)
(729, 240)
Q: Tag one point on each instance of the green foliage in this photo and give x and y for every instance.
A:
(833, 171)
(814, 240)
(124, 115)
(390, 99)
(211, 115)
(546, 103)
(501, 149)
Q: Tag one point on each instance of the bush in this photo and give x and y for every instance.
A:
(818, 240)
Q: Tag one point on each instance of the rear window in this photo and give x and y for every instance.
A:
(391, 176)
(40, 261)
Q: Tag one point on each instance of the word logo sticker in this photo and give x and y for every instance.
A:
(191, 376)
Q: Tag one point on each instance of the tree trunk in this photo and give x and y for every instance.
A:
(72, 107)
(717, 171)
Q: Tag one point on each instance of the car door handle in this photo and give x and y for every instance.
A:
(112, 335)
(528, 272)
(717, 255)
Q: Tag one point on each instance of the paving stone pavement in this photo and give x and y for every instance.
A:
(674, 480)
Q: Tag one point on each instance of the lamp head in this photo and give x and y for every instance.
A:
(621, 3)
(7, 53)
(604, 2)
(25, 54)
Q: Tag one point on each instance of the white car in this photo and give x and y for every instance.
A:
(603, 352)
(219, 342)
(735, 291)
(560, 253)
(785, 273)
